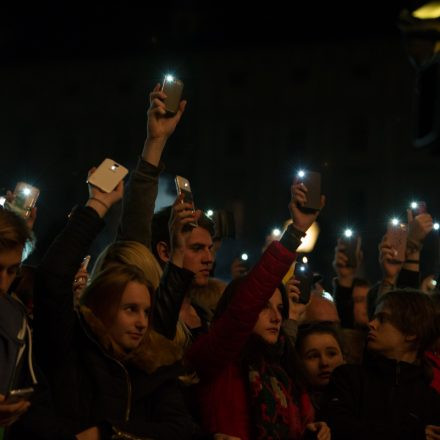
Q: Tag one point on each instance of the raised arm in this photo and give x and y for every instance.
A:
(230, 332)
(54, 314)
(141, 192)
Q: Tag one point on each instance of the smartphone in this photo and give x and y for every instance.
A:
(418, 208)
(352, 244)
(397, 235)
(312, 181)
(183, 187)
(224, 224)
(304, 275)
(85, 262)
(25, 198)
(14, 396)
(107, 176)
(173, 88)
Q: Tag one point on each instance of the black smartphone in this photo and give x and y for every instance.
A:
(173, 88)
(312, 181)
(14, 396)
(224, 224)
(304, 275)
(352, 244)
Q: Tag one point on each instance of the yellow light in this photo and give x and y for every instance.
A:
(428, 11)
(309, 241)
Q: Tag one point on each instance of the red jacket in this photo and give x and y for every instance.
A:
(434, 359)
(223, 390)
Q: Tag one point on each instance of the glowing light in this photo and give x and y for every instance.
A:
(276, 232)
(414, 205)
(436, 226)
(348, 233)
(305, 260)
(302, 268)
(209, 213)
(328, 296)
(434, 282)
(2, 201)
(429, 11)
(169, 78)
(244, 257)
(26, 191)
(301, 173)
(309, 241)
(394, 221)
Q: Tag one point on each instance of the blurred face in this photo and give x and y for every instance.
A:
(269, 320)
(360, 305)
(197, 256)
(321, 354)
(10, 261)
(131, 321)
(384, 337)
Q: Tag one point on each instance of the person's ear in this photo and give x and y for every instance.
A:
(163, 251)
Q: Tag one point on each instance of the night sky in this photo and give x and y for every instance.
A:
(65, 37)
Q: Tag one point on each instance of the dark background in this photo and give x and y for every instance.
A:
(270, 88)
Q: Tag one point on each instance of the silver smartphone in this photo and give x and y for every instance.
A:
(183, 187)
(14, 396)
(173, 88)
(25, 198)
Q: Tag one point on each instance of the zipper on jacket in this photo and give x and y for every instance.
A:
(129, 389)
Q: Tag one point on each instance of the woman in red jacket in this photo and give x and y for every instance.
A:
(247, 386)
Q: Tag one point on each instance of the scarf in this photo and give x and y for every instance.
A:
(279, 411)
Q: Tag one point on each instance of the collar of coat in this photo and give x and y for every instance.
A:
(154, 350)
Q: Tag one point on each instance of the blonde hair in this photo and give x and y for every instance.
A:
(133, 253)
(14, 232)
(130, 253)
(208, 296)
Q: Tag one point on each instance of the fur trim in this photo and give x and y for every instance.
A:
(153, 352)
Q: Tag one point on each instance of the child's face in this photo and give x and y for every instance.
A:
(320, 354)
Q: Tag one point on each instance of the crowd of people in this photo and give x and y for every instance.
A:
(150, 345)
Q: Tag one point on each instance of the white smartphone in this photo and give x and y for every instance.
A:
(14, 396)
(25, 198)
(107, 176)
(183, 187)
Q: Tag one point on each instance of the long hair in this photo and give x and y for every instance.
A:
(104, 293)
(14, 232)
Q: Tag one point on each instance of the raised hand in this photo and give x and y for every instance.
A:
(302, 220)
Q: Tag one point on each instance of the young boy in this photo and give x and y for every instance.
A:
(389, 397)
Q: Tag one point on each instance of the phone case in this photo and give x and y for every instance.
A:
(15, 396)
(305, 278)
(352, 248)
(25, 198)
(173, 89)
(107, 176)
(397, 236)
(312, 181)
(183, 187)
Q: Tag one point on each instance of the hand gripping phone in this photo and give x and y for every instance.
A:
(312, 181)
(183, 187)
(304, 275)
(107, 176)
(173, 88)
(352, 244)
(25, 198)
(397, 235)
(418, 207)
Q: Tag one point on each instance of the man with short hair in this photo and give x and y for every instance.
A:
(388, 396)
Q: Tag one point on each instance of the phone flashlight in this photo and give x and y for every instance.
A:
(244, 257)
(434, 283)
(348, 233)
(302, 268)
(114, 167)
(436, 226)
(2, 201)
(209, 213)
(414, 205)
(169, 78)
(26, 191)
(276, 232)
(394, 221)
(301, 173)
(305, 260)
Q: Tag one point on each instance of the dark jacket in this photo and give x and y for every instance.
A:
(381, 399)
(90, 387)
